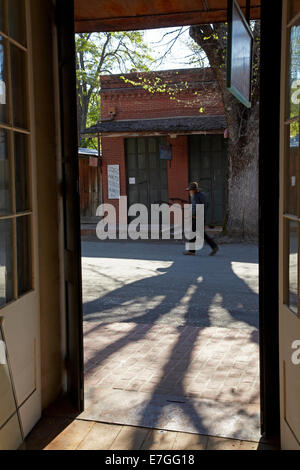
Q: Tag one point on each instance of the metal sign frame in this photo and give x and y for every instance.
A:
(234, 9)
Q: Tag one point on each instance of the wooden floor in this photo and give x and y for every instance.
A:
(60, 433)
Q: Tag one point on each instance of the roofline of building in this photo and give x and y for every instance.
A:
(162, 72)
(132, 88)
(166, 125)
(160, 133)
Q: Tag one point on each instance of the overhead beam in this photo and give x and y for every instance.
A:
(130, 23)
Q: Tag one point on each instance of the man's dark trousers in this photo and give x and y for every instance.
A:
(208, 240)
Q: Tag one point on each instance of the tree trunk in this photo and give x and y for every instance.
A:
(242, 211)
(83, 107)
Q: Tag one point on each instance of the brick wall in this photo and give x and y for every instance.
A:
(113, 154)
(133, 102)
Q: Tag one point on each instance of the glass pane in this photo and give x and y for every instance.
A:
(19, 81)
(6, 262)
(21, 172)
(3, 81)
(293, 267)
(17, 20)
(152, 148)
(141, 156)
(5, 188)
(24, 254)
(294, 72)
(130, 145)
(292, 183)
(141, 145)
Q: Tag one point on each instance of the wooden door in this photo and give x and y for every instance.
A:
(70, 176)
(208, 166)
(289, 279)
(19, 287)
(146, 172)
(90, 187)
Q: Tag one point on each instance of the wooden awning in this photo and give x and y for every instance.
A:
(175, 125)
(120, 15)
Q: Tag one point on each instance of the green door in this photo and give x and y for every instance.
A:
(146, 173)
(208, 166)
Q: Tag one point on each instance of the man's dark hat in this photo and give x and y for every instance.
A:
(192, 186)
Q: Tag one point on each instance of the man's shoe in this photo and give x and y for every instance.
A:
(214, 251)
(189, 253)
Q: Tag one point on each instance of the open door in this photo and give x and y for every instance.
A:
(289, 306)
(70, 177)
(19, 273)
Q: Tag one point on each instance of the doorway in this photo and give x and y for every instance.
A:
(146, 172)
(268, 233)
(208, 166)
(268, 283)
(167, 337)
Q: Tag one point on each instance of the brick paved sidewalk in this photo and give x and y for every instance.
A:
(171, 342)
(160, 362)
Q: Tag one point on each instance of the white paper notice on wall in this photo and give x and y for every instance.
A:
(2, 353)
(293, 180)
(131, 180)
(2, 92)
(113, 181)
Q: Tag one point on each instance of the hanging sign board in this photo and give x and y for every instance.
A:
(113, 180)
(165, 152)
(239, 54)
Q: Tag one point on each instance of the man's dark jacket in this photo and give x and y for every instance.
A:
(199, 198)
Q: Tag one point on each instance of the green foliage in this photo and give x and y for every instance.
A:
(155, 84)
(104, 53)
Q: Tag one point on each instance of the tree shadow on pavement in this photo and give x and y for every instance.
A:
(194, 291)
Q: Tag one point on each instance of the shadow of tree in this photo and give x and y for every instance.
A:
(203, 294)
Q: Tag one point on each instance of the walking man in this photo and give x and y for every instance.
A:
(197, 197)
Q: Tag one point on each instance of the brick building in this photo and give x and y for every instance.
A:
(153, 143)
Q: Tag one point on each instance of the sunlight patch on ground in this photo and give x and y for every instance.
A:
(247, 273)
(114, 273)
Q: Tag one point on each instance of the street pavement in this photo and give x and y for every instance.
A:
(154, 282)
